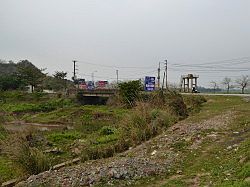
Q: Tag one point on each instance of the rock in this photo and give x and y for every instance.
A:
(229, 147)
(9, 183)
(153, 153)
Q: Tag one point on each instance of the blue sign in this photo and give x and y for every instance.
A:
(90, 85)
(149, 83)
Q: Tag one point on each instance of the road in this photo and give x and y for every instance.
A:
(217, 94)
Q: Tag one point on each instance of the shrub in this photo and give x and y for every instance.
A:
(145, 122)
(129, 92)
(194, 102)
(176, 103)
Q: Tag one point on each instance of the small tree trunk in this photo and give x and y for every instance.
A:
(242, 90)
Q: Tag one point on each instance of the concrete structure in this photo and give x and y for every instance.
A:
(189, 82)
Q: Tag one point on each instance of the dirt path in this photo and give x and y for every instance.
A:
(154, 157)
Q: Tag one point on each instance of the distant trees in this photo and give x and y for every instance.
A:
(7, 67)
(8, 77)
(60, 76)
(243, 82)
(227, 82)
(10, 82)
(214, 85)
(19, 75)
(29, 73)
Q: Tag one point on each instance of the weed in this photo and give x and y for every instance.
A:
(107, 130)
(29, 159)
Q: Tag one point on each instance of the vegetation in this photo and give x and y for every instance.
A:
(29, 73)
(217, 163)
(89, 132)
(129, 92)
(243, 82)
(16, 76)
(93, 132)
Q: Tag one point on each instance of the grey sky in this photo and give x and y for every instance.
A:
(127, 33)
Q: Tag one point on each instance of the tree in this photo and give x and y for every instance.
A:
(227, 81)
(214, 85)
(10, 82)
(60, 76)
(29, 73)
(243, 82)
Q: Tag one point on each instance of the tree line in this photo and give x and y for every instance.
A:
(17, 76)
(243, 82)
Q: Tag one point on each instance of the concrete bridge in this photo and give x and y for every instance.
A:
(98, 92)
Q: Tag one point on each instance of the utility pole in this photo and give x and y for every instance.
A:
(117, 76)
(166, 69)
(158, 77)
(74, 75)
(163, 80)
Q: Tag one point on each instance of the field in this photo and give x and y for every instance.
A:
(211, 144)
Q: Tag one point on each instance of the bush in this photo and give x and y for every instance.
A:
(129, 92)
(145, 122)
(176, 103)
(194, 102)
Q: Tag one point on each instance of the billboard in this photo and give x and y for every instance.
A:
(102, 84)
(149, 83)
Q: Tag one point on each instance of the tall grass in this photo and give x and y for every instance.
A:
(146, 120)
(29, 159)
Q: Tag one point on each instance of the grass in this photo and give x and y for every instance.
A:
(63, 137)
(7, 169)
(215, 163)
(98, 131)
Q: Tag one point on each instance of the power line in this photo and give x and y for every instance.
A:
(117, 67)
(241, 60)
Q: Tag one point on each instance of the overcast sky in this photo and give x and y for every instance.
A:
(105, 35)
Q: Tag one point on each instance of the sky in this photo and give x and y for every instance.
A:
(209, 38)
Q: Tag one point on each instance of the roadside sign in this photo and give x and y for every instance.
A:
(90, 85)
(149, 83)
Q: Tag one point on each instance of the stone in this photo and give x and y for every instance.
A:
(153, 153)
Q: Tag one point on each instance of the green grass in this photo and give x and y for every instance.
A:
(7, 169)
(63, 137)
(215, 105)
